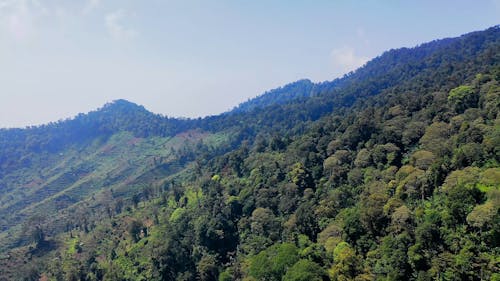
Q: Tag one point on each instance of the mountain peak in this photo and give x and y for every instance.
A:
(121, 104)
(120, 108)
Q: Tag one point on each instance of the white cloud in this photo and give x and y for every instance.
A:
(115, 27)
(344, 59)
(91, 5)
(8, 3)
(16, 18)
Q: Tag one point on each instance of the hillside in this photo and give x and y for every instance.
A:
(391, 172)
(299, 89)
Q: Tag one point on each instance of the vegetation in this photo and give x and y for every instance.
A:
(389, 173)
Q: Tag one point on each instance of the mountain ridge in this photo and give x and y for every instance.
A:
(286, 92)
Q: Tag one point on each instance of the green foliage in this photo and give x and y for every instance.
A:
(462, 97)
(37, 235)
(207, 268)
(423, 159)
(74, 246)
(305, 270)
(177, 214)
(272, 263)
(372, 214)
(346, 265)
(491, 177)
(436, 138)
(300, 176)
(483, 215)
(225, 276)
(393, 258)
(216, 178)
(389, 173)
(134, 230)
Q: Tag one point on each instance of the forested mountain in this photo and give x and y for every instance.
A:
(299, 89)
(391, 172)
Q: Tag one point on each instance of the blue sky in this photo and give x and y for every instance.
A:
(196, 58)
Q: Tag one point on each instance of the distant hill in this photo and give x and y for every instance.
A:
(281, 95)
(391, 172)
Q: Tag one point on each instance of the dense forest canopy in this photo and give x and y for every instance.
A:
(391, 172)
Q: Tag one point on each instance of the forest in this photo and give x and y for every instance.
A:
(391, 172)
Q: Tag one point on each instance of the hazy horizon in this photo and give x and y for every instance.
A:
(195, 59)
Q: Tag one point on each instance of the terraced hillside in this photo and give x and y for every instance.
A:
(123, 163)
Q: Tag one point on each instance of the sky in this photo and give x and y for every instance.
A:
(196, 58)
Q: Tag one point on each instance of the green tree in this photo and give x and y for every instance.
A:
(305, 270)
(436, 138)
(337, 165)
(346, 263)
(422, 159)
(134, 229)
(463, 97)
(301, 176)
(207, 268)
(482, 215)
(263, 222)
(392, 261)
(307, 222)
(272, 263)
(372, 213)
(37, 236)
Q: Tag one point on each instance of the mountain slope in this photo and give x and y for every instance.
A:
(53, 168)
(389, 173)
(282, 95)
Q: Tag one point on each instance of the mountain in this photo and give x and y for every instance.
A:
(391, 172)
(299, 89)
